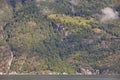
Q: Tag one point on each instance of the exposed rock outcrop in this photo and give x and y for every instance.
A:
(82, 71)
(63, 30)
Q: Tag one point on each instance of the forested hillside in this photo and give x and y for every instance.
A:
(60, 36)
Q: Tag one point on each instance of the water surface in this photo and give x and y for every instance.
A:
(57, 77)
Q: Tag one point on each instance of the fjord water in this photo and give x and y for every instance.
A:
(57, 77)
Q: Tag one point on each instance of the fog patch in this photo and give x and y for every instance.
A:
(108, 14)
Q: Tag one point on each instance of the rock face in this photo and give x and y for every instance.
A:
(6, 58)
(83, 71)
(74, 2)
(6, 55)
(64, 31)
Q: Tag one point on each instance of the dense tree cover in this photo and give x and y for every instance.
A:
(44, 35)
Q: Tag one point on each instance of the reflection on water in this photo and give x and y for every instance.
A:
(60, 77)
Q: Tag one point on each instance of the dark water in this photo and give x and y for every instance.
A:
(60, 77)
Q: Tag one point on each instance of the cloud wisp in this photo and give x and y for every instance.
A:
(109, 14)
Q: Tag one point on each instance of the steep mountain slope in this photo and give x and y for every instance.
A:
(59, 36)
(5, 50)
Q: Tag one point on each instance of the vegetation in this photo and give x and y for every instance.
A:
(59, 35)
